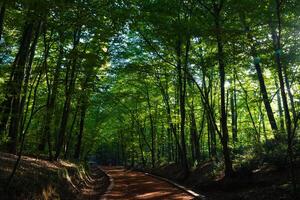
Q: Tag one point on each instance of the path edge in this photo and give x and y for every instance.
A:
(187, 190)
(110, 187)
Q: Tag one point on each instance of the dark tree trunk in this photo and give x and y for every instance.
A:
(51, 99)
(70, 134)
(83, 108)
(153, 134)
(28, 73)
(181, 72)
(223, 120)
(166, 99)
(234, 110)
(194, 136)
(2, 14)
(70, 84)
(280, 112)
(264, 93)
(276, 36)
(257, 137)
(260, 76)
(33, 111)
(16, 86)
(66, 113)
(207, 101)
(139, 130)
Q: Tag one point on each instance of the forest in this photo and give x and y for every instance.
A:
(203, 92)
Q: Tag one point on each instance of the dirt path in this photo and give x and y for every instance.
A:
(131, 185)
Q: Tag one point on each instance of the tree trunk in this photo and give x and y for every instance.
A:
(16, 86)
(233, 106)
(223, 120)
(81, 126)
(276, 36)
(260, 76)
(139, 130)
(65, 115)
(264, 93)
(70, 84)
(280, 112)
(2, 14)
(33, 111)
(51, 100)
(153, 134)
(194, 135)
(181, 72)
(28, 73)
(70, 134)
(166, 99)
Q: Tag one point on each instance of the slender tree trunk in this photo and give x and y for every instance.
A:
(65, 115)
(281, 70)
(153, 134)
(139, 130)
(234, 110)
(2, 14)
(17, 84)
(264, 93)
(33, 111)
(170, 144)
(276, 36)
(70, 133)
(207, 101)
(51, 100)
(257, 135)
(166, 99)
(182, 94)
(280, 112)
(261, 80)
(28, 72)
(70, 84)
(194, 135)
(223, 120)
(83, 109)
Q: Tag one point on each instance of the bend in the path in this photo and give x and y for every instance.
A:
(138, 186)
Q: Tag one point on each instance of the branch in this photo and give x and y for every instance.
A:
(206, 7)
(155, 50)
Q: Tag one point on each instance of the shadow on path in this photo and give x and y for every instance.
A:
(136, 185)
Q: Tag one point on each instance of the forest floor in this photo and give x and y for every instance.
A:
(129, 185)
(40, 179)
(265, 183)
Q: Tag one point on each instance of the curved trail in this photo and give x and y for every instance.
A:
(132, 185)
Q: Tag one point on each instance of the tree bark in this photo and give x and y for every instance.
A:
(234, 119)
(223, 120)
(276, 36)
(2, 15)
(83, 109)
(181, 74)
(28, 73)
(166, 99)
(261, 80)
(153, 134)
(70, 84)
(16, 86)
(280, 112)
(51, 100)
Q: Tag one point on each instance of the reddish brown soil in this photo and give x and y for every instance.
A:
(132, 185)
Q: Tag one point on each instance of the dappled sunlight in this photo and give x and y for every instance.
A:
(49, 193)
(136, 185)
(152, 195)
(66, 163)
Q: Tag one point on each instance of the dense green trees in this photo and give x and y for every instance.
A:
(149, 82)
